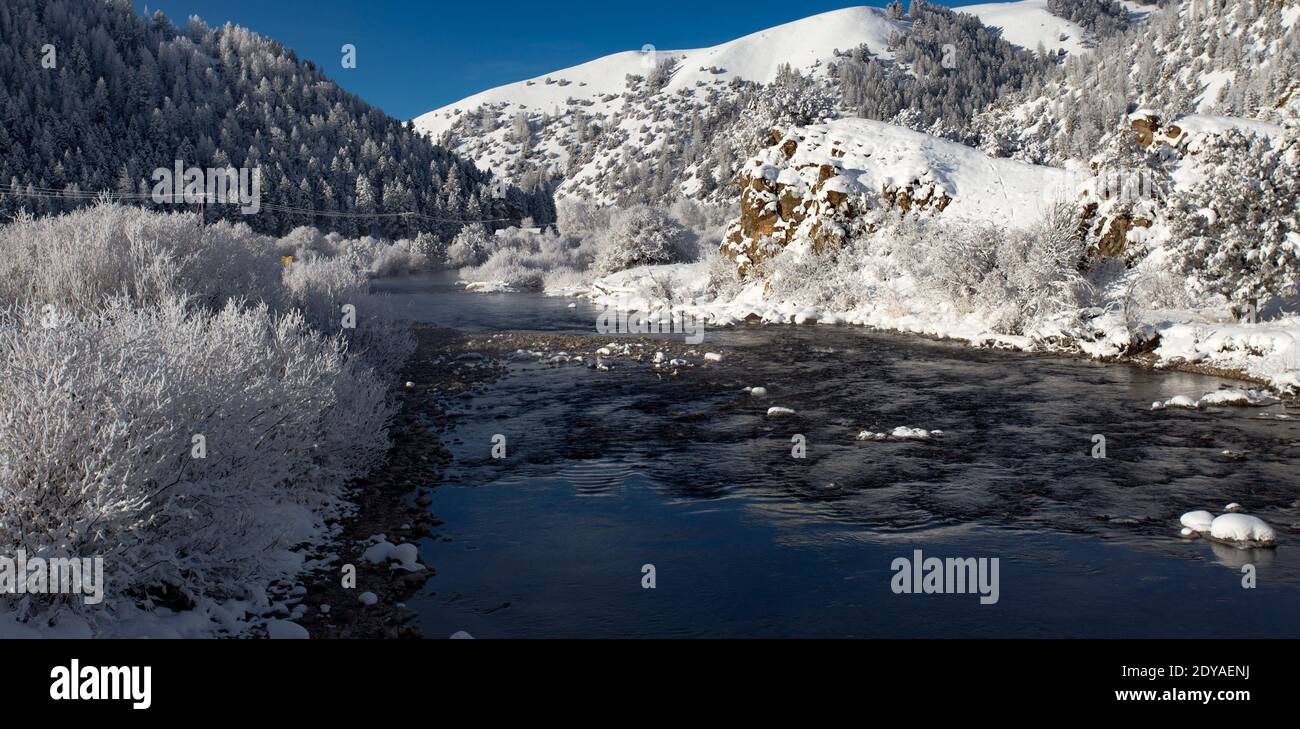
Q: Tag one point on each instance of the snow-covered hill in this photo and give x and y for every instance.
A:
(655, 124)
(1229, 58)
(804, 44)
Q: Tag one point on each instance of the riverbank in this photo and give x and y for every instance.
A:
(1265, 353)
(391, 502)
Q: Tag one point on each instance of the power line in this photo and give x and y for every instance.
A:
(83, 195)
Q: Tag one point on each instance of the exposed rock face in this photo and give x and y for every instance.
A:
(801, 189)
(1111, 233)
(1151, 132)
(818, 187)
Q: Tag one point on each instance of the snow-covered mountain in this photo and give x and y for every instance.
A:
(804, 44)
(653, 124)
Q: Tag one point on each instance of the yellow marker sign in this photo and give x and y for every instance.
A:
(286, 260)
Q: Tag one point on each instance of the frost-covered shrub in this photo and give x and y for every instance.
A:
(641, 236)
(1155, 283)
(399, 259)
(507, 266)
(723, 282)
(80, 259)
(533, 261)
(377, 257)
(1040, 269)
(187, 448)
(1013, 278)
(580, 218)
(832, 279)
(321, 288)
(302, 240)
(166, 337)
(471, 247)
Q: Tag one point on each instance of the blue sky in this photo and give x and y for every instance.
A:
(417, 55)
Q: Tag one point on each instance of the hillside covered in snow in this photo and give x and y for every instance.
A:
(652, 125)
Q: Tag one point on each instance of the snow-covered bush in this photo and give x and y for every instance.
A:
(1040, 269)
(302, 240)
(78, 260)
(471, 247)
(189, 448)
(177, 401)
(398, 259)
(831, 279)
(376, 257)
(509, 267)
(320, 288)
(1015, 278)
(581, 218)
(640, 236)
(723, 282)
(525, 261)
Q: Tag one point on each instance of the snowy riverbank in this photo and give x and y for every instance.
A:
(1266, 352)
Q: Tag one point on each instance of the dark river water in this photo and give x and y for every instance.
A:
(607, 472)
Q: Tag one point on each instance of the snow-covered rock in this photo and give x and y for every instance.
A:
(1243, 529)
(1237, 397)
(900, 433)
(1197, 521)
(825, 183)
(405, 556)
(286, 630)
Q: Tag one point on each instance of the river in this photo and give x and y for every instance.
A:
(608, 472)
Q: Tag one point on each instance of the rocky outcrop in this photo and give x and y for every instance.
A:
(1150, 132)
(804, 188)
(818, 187)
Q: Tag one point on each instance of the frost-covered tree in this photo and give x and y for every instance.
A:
(1099, 17)
(1236, 232)
(1163, 64)
(793, 98)
(945, 70)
